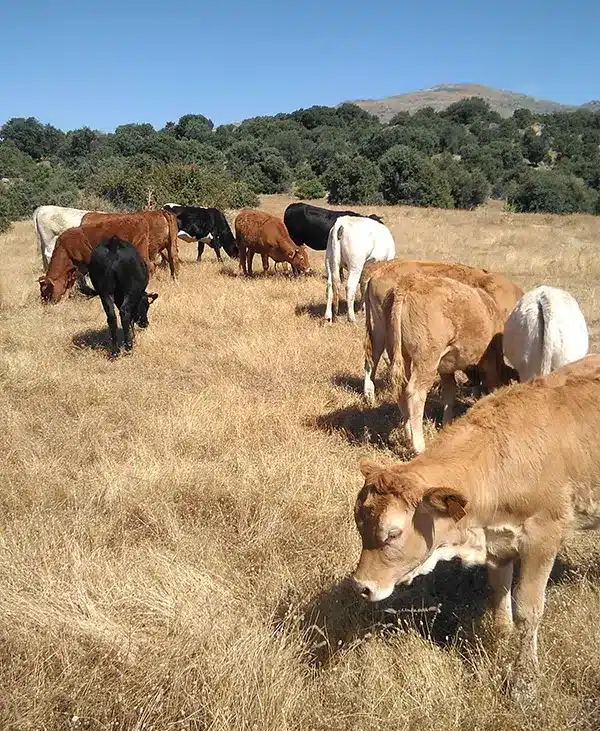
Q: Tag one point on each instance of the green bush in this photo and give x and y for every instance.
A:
(470, 187)
(45, 186)
(309, 189)
(353, 181)
(548, 191)
(410, 177)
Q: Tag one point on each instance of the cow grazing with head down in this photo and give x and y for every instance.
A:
(206, 226)
(162, 232)
(352, 242)
(429, 326)
(258, 232)
(310, 225)
(507, 481)
(71, 255)
(545, 331)
(382, 277)
(120, 276)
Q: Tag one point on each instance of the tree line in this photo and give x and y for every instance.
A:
(455, 158)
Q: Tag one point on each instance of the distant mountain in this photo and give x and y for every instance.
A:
(440, 97)
(594, 105)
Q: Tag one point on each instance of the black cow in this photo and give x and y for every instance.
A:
(120, 276)
(206, 226)
(310, 225)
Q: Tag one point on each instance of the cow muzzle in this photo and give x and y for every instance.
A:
(370, 591)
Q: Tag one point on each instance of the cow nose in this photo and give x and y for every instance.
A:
(365, 593)
(364, 588)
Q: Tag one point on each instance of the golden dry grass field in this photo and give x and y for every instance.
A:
(176, 526)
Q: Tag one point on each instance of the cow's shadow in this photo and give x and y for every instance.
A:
(360, 423)
(448, 607)
(316, 310)
(93, 339)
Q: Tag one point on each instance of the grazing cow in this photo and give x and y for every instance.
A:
(545, 331)
(162, 232)
(258, 232)
(430, 325)
(206, 226)
(120, 276)
(310, 225)
(49, 223)
(506, 481)
(353, 241)
(382, 277)
(71, 255)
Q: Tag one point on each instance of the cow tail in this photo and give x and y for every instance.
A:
(546, 340)
(393, 307)
(336, 259)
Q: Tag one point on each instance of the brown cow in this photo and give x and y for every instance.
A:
(74, 246)
(506, 481)
(258, 232)
(382, 277)
(163, 233)
(430, 325)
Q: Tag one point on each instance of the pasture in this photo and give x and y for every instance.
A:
(176, 526)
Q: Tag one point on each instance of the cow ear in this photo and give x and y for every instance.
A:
(447, 501)
(368, 467)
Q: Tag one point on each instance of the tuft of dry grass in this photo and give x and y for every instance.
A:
(176, 526)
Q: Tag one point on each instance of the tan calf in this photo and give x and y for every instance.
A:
(382, 277)
(506, 481)
(430, 325)
(258, 232)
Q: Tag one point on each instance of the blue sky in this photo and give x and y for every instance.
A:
(74, 63)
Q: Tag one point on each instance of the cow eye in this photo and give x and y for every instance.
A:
(393, 534)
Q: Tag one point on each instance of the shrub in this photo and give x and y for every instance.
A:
(45, 186)
(549, 191)
(353, 181)
(410, 177)
(309, 189)
(470, 187)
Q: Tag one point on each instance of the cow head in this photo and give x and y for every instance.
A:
(51, 290)
(406, 527)
(298, 259)
(141, 313)
(493, 371)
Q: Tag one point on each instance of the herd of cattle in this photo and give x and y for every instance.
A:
(506, 481)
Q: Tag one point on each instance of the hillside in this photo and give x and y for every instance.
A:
(440, 97)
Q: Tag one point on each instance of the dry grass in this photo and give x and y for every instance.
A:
(176, 526)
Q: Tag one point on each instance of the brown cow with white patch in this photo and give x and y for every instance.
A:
(507, 481)
(258, 232)
(382, 277)
(162, 231)
(430, 325)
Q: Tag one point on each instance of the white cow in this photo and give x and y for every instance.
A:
(50, 222)
(351, 242)
(545, 331)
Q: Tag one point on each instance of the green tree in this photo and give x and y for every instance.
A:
(353, 181)
(309, 189)
(523, 117)
(194, 127)
(13, 162)
(410, 177)
(467, 111)
(535, 146)
(550, 191)
(31, 137)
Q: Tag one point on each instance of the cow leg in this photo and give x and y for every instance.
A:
(108, 303)
(265, 263)
(249, 258)
(218, 253)
(500, 579)
(448, 390)
(352, 284)
(341, 273)
(125, 311)
(537, 557)
(374, 347)
(416, 395)
(173, 255)
(330, 293)
(200, 250)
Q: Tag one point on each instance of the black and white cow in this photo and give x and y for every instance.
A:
(120, 276)
(206, 226)
(310, 225)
